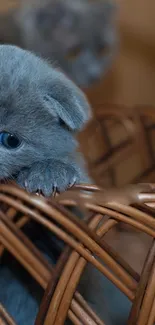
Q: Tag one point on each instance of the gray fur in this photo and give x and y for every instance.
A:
(44, 109)
(72, 33)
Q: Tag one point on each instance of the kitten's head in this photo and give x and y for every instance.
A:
(40, 109)
(76, 33)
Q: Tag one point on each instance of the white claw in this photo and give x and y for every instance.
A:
(26, 184)
(73, 182)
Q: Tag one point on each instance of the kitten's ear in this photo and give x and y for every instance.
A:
(65, 100)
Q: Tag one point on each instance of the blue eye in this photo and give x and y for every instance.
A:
(9, 141)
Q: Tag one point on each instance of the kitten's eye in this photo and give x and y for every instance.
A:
(9, 140)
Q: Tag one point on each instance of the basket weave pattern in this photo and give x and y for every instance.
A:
(119, 138)
(103, 209)
(84, 241)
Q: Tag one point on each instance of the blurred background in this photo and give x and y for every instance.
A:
(129, 80)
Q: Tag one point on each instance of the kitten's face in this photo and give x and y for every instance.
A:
(36, 108)
(24, 133)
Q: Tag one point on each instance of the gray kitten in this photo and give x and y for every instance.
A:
(40, 112)
(79, 35)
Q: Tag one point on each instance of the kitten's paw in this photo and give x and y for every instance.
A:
(48, 177)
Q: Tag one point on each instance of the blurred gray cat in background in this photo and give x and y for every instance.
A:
(78, 35)
(40, 112)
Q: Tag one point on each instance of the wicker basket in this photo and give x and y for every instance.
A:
(60, 282)
(85, 240)
(119, 145)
